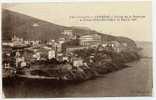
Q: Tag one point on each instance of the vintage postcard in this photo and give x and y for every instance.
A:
(83, 49)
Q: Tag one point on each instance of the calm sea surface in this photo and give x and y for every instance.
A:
(132, 81)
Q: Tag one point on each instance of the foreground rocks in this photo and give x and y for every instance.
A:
(97, 62)
(67, 72)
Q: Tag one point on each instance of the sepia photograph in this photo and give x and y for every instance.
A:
(82, 49)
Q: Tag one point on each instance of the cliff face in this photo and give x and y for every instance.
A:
(33, 29)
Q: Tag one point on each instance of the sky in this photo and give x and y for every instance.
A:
(60, 13)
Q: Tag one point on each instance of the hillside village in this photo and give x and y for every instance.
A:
(62, 54)
(66, 53)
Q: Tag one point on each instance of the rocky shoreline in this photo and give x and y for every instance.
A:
(61, 72)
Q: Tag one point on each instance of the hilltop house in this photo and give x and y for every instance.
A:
(17, 41)
(116, 46)
(67, 32)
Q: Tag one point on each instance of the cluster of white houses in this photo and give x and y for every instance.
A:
(53, 48)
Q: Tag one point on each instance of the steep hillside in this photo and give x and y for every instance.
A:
(28, 27)
(32, 29)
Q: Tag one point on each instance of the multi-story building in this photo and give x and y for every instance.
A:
(51, 54)
(67, 32)
(77, 62)
(71, 49)
(116, 46)
(17, 41)
(88, 40)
